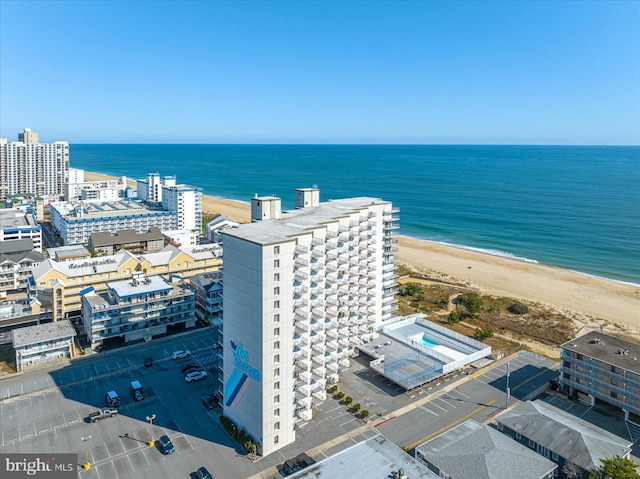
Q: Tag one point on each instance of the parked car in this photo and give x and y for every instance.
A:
(101, 414)
(202, 473)
(148, 362)
(190, 368)
(195, 376)
(112, 399)
(165, 445)
(290, 466)
(209, 402)
(99, 348)
(137, 393)
(180, 354)
(304, 460)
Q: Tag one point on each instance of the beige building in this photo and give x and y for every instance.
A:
(105, 243)
(58, 284)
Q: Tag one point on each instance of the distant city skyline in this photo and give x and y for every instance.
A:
(561, 73)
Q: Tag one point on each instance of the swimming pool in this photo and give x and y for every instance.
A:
(428, 342)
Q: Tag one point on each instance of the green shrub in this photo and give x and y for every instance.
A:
(453, 318)
(348, 400)
(483, 333)
(471, 302)
(518, 308)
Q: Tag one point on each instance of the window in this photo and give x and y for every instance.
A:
(276, 385)
(500, 427)
(276, 331)
(276, 399)
(276, 277)
(276, 345)
(276, 304)
(276, 426)
(276, 249)
(276, 412)
(518, 436)
(276, 372)
(532, 443)
(275, 439)
(276, 318)
(276, 263)
(276, 290)
(554, 456)
(276, 358)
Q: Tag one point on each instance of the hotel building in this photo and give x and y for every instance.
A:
(17, 224)
(186, 201)
(75, 222)
(138, 308)
(30, 167)
(151, 188)
(79, 190)
(598, 367)
(58, 285)
(302, 289)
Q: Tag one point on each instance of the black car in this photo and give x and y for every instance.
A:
(202, 473)
(304, 460)
(290, 466)
(148, 362)
(165, 444)
(209, 402)
(190, 367)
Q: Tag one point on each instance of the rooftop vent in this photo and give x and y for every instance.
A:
(596, 341)
(624, 351)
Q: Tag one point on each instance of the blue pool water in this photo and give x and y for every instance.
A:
(428, 342)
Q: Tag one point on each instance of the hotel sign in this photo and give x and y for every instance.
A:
(241, 377)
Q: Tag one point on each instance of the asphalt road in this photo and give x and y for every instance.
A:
(480, 398)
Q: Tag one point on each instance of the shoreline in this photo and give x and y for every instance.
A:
(567, 290)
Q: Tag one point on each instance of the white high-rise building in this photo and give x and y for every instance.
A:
(29, 167)
(186, 201)
(301, 291)
(151, 188)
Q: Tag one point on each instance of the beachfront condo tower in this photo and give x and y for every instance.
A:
(30, 167)
(302, 289)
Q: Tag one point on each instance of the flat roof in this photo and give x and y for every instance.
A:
(105, 238)
(16, 218)
(607, 348)
(105, 209)
(137, 287)
(42, 333)
(375, 457)
(299, 221)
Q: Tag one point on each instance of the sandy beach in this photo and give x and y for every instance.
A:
(597, 298)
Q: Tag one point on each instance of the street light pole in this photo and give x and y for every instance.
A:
(150, 419)
(87, 464)
(506, 406)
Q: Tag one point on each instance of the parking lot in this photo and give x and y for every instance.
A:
(46, 411)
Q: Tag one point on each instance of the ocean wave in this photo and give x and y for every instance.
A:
(492, 252)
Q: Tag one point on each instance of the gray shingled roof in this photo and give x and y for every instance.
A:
(473, 450)
(568, 436)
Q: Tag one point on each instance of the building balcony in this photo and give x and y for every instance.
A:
(319, 348)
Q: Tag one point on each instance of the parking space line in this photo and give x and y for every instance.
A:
(134, 469)
(440, 407)
(461, 393)
(428, 410)
(350, 420)
(447, 402)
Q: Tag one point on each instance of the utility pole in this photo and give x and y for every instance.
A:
(87, 464)
(150, 419)
(506, 406)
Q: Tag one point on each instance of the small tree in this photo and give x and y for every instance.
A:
(356, 407)
(471, 302)
(333, 389)
(616, 468)
(348, 400)
(483, 333)
(412, 289)
(453, 318)
(340, 395)
(365, 414)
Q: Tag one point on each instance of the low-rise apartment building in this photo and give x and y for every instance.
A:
(17, 261)
(136, 309)
(18, 224)
(600, 367)
(58, 284)
(43, 343)
(105, 243)
(208, 289)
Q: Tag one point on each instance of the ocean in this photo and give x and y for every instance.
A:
(575, 207)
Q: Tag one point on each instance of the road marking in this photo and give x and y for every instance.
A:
(428, 410)
(478, 375)
(440, 407)
(351, 420)
(532, 378)
(461, 393)
(447, 402)
(43, 431)
(74, 421)
(449, 426)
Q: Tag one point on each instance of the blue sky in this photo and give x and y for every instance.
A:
(321, 72)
